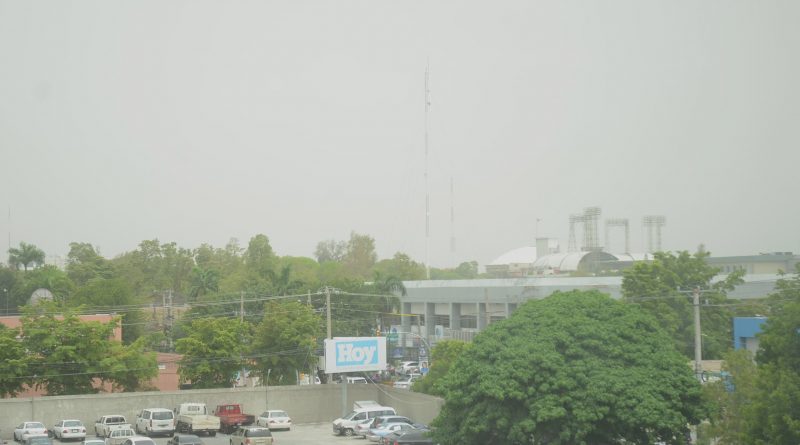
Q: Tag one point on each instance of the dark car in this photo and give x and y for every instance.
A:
(185, 439)
(408, 437)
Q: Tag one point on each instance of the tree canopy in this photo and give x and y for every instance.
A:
(574, 368)
(662, 287)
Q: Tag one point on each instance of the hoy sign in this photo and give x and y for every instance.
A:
(346, 354)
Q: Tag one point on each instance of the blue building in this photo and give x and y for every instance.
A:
(744, 332)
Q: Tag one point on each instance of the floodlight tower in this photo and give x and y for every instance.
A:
(652, 225)
(573, 220)
(590, 217)
(618, 222)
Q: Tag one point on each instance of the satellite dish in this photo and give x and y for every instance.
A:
(41, 294)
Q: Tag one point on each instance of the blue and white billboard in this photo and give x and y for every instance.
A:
(347, 354)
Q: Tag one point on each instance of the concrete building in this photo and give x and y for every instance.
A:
(436, 309)
(745, 330)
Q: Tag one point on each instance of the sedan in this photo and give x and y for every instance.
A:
(275, 420)
(69, 429)
(25, 429)
(376, 434)
(408, 437)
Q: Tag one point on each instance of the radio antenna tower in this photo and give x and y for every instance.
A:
(427, 193)
(452, 224)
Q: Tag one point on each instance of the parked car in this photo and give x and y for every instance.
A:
(383, 420)
(38, 440)
(251, 435)
(376, 434)
(93, 442)
(408, 437)
(185, 439)
(362, 428)
(64, 430)
(118, 436)
(138, 440)
(275, 419)
(153, 421)
(25, 429)
(193, 418)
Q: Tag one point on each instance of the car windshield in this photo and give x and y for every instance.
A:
(72, 423)
(34, 425)
(162, 415)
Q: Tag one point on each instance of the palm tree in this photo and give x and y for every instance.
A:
(203, 281)
(26, 255)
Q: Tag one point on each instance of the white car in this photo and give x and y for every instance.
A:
(25, 429)
(69, 429)
(407, 367)
(152, 421)
(275, 419)
(407, 382)
(117, 437)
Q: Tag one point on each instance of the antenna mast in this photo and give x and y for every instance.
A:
(427, 194)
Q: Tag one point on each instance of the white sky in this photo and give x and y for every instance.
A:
(197, 121)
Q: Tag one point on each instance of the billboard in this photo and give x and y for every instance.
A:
(347, 354)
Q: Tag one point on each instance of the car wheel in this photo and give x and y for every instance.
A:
(348, 432)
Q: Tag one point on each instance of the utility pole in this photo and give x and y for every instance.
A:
(169, 319)
(328, 309)
(698, 347)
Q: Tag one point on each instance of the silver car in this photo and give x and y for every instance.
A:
(69, 430)
(25, 429)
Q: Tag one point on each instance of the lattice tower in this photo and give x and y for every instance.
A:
(618, 222)
(652, 226)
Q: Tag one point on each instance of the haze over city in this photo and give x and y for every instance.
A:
(199, 121)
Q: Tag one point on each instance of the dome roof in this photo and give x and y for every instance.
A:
(522, 255)
(570, 261)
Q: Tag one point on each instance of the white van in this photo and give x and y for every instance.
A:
(347, 424)
(152, 421)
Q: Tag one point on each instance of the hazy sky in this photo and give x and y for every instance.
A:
(198, 121)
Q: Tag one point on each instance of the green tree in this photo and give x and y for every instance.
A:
(330, 250)
(13, 362)
(467, 270)
(360, 256)
(66, 352)
(46, 277)
(662, 287)
(212, 352)
(286, 340)
(129, 368)
(26, 255)
(401, 266)
(84, 263)
(574, 368)
(774, 417)
(729, 408)
(113, 295)
(443, 356)
(203, 281)
(259, 256)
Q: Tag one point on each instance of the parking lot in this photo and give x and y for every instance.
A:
(319, 433)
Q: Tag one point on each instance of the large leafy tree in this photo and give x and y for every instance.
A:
(730, 399)
(84, 263)
(213, 351)
(775, 414)
(360, 256)
(574, 368)
(26, 255)
(130, 368)
(203, 282)
(286, 340)
(443, 356)
(662, 287)
(113, 295)
(13, 362)
(69, 354)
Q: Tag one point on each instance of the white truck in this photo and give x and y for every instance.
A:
(193, 418)
(108, 423)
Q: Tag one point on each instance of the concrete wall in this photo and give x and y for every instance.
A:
(305, 404)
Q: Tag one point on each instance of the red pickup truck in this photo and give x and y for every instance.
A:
(231, 417)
